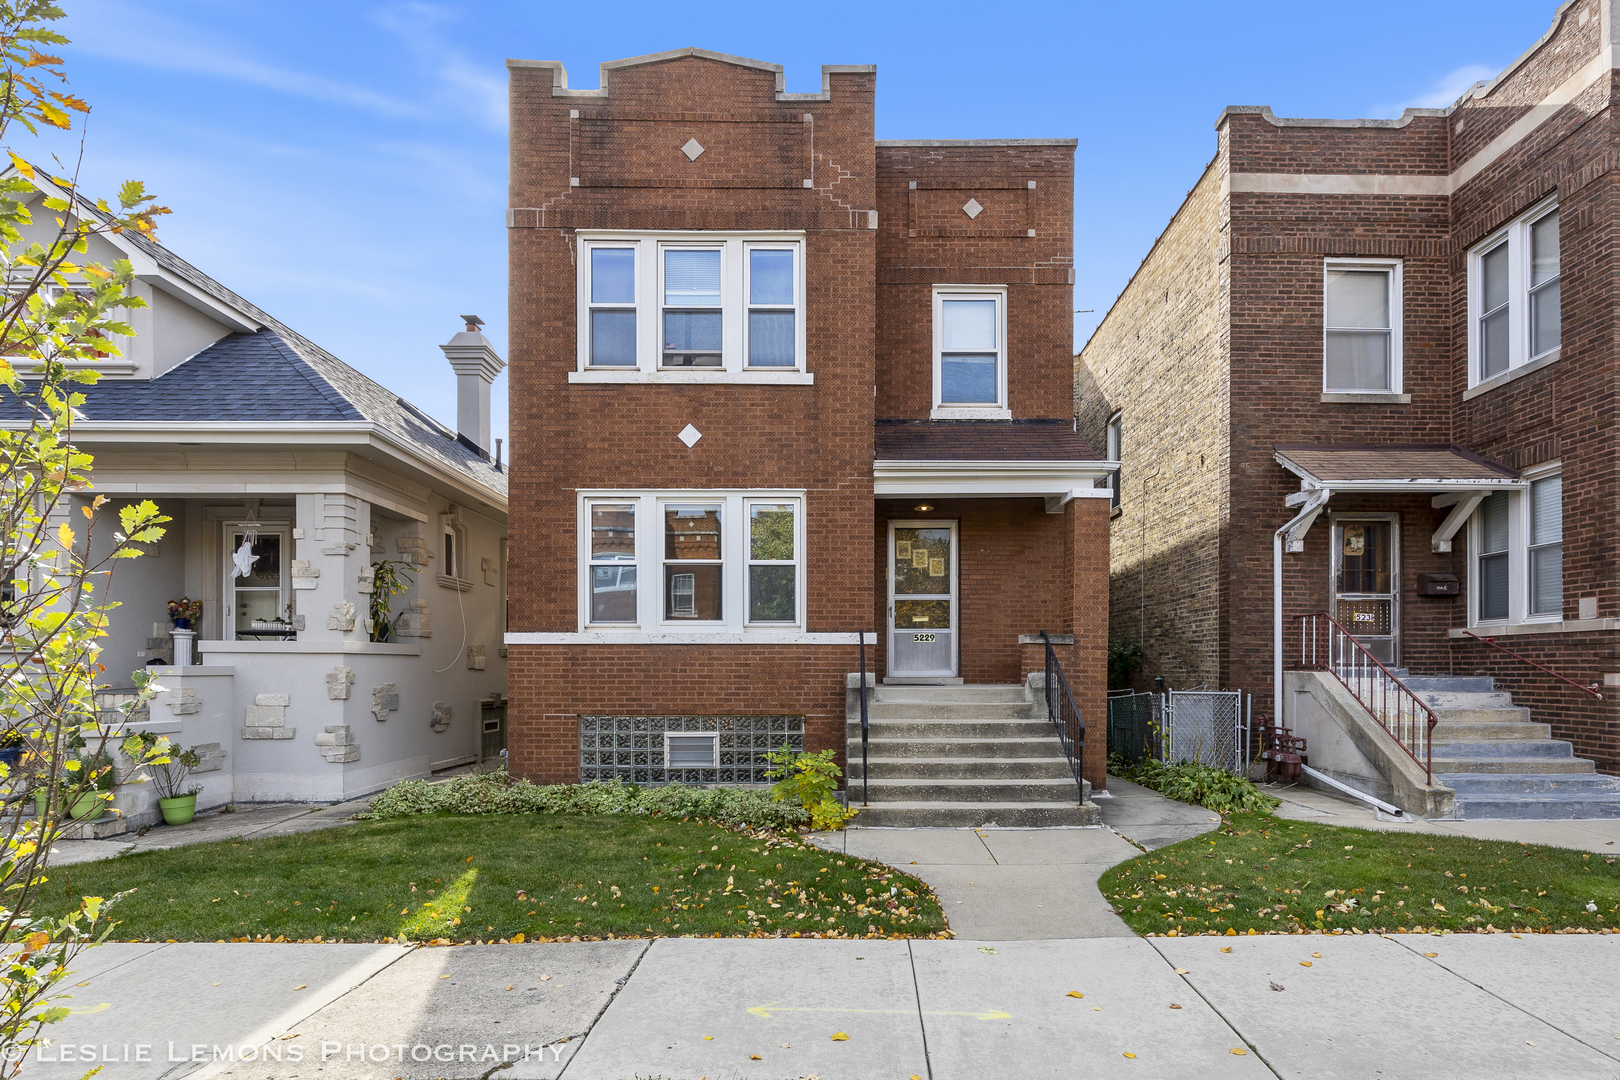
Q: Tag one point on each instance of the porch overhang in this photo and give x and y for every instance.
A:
(1453, 476)
(1058, 482)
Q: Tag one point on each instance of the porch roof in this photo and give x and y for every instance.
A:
(1393, 467)
(978, 440)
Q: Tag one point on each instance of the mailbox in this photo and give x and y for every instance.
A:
(1439, 585)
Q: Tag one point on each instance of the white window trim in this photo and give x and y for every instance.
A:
(1001, 410)
(1518, 551)
(734, 248)
(650, 623)
(1397, 293)
(228, 608)
(451, 525)
(1517, 236)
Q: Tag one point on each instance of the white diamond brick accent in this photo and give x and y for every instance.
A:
(692, 149)
(972, 209)
(689, 435)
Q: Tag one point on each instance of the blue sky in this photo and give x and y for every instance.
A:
(343, 164)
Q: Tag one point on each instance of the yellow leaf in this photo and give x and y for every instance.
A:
(1129, 1054)
(1304, 963)
(1226, 948)
(708, 1038)
(517, 939)
(1181, 971)
(1074, 993)
(755, 1057)
(37, 941)
(22, 166)
(1317, 955)
(300, 986)
(839, 1036)
(1240, 1052)
(1431, 954)
(65, 535)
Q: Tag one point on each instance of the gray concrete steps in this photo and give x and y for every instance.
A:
(1450, 683)
(1480, 764)
(904, 815)
(955, 710)
(951, 694)
(959, 728)
(975, 790)
(1462, 730)
(1445, 699)
(1530, 783)
(958, 768)
(1524, 749)
(881, 748)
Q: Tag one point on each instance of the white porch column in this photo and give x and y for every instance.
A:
(330, 551)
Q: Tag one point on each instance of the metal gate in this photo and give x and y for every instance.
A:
(1207, 726)
(1133, 724)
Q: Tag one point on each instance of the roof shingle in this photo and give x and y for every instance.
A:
(978, 440)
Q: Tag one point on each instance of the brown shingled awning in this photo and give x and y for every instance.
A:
(978, 440)
(987, 459)
(1406, 465)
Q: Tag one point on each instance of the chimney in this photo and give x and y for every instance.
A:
(476, 365)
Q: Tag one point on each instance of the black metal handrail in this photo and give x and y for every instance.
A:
(1065, 715)
(866, 728)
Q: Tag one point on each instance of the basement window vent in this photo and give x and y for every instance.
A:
(690, 751)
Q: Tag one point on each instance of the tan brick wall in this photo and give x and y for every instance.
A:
(1159, 359)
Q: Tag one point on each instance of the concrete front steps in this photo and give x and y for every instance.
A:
(961, 756)
(1503, 765)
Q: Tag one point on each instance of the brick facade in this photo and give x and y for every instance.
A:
(873, 246)
(1250, 242)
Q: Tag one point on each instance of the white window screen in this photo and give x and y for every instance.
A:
(1359, 330)
(1545, 328)
(1492, 596)
(1494, 312)
(1547, 546)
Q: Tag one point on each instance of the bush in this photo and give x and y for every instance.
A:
(1190, 782)
(1123, 660)
(498, 793)
(811, 780)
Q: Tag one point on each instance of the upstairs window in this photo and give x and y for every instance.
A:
(970, 352)
(1114, 437)
(1361, 337)
(1514, 297)
(692, 302)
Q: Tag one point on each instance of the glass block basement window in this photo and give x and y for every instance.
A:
(635, 749)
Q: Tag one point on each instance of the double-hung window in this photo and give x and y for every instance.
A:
(970, 352)
(1518, 544)
(1115, 436)
(711, 561)
(1361, 327)
(1513, 297)
(691, 306)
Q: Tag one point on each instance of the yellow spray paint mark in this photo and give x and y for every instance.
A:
(771, 1008)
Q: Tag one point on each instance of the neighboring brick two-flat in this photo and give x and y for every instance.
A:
(1215, 353)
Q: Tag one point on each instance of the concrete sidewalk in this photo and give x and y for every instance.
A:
(1424, 1007)
(266, 819)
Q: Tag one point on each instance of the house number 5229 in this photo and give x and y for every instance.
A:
(922, 637)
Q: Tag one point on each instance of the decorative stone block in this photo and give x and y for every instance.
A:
(368, 579)
(338, 549)
(384, 700)
(492, 573)
(413, 549)
(267, 718)
(304, 575)
(475, 658)
(415, 621)
(338, 681)
(337, 744)
(184, 701)
(342, 617)
(212, 755)
(297, 622)
(441, 716)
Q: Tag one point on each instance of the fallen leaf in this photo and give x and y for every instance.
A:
(1278, 986)
(1239, 1051)
(1175, 1006)
(787, 1046)
(1129, 1054)
(1096, 1008)
(1074, 993)
(1304, 963)
(444, 976)
(839, 1036)
(1527, 1042)
(87, 984)
(1181, 971)
(510, 985)
(1226, 948)
(1317, 955)
(300, 986)
(545, 978)
(1431, 954)
(755, 1057)
(708, 1038)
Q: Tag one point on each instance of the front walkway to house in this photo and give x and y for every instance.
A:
(1424, 1007)
(257, 820)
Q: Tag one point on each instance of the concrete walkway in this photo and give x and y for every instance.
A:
(1429, 1007)
(264, 819)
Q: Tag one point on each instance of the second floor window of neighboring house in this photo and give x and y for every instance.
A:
(1513, 297)
(1361, 318)
(970, 352)
(1518, 540)
(694, 302)
(1115, 437)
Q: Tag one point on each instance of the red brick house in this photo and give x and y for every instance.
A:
(1376, 359)
(776, 384)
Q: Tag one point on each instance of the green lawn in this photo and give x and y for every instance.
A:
(1267, 875)
(491, 878)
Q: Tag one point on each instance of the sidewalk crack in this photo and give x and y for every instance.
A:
(1253, 1049)
(618, 984)
(922, 1025)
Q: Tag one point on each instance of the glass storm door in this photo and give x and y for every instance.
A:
(1366, 583)
(922, 599)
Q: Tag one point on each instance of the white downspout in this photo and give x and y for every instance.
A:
(1311, 508)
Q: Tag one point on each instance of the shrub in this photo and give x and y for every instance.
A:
(810, 780)
(498, 793)
(1191, 782)
(1123, 659)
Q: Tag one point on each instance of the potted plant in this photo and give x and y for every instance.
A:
(11, 748)
(389, 579)
(169, 769)
(91, 802)
(185, 613)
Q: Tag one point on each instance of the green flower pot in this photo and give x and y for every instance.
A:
(89, 806)
(178, 810)
(40, 799)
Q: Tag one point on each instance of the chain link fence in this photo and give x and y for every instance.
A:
(1207, 726)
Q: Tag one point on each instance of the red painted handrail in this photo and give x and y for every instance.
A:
(1325, 645)
(1492, 643)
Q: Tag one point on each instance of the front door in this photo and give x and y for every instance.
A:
(922, 599)
(1366, 582)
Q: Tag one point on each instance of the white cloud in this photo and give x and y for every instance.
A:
(1442, 92)
(423, 28)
